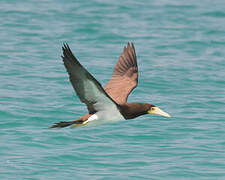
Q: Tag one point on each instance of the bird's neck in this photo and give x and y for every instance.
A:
(133, 110)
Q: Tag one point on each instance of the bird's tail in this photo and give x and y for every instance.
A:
(63, 124)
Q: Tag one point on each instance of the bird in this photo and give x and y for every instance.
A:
(108, 104)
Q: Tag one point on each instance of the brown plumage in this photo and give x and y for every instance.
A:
(115, 93)
(125, 76)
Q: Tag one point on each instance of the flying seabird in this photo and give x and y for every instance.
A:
(109, 103)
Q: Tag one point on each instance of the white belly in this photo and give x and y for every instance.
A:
(103, 117)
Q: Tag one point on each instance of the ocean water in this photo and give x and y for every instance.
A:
(180, 47)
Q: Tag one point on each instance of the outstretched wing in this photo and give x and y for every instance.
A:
(125, 76)
(88, 89)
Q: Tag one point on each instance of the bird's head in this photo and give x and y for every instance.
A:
(157, 111)
(133, 110)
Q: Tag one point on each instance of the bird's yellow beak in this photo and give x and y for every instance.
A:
(155, 110)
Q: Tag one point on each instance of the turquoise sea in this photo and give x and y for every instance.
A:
(180, 47)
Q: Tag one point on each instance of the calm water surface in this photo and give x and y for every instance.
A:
(181, 51)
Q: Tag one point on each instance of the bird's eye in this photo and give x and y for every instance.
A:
(153, 108)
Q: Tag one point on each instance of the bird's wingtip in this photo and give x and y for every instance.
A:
(65, 46)
(130, 44)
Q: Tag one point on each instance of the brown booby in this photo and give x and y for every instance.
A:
(109, 103)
